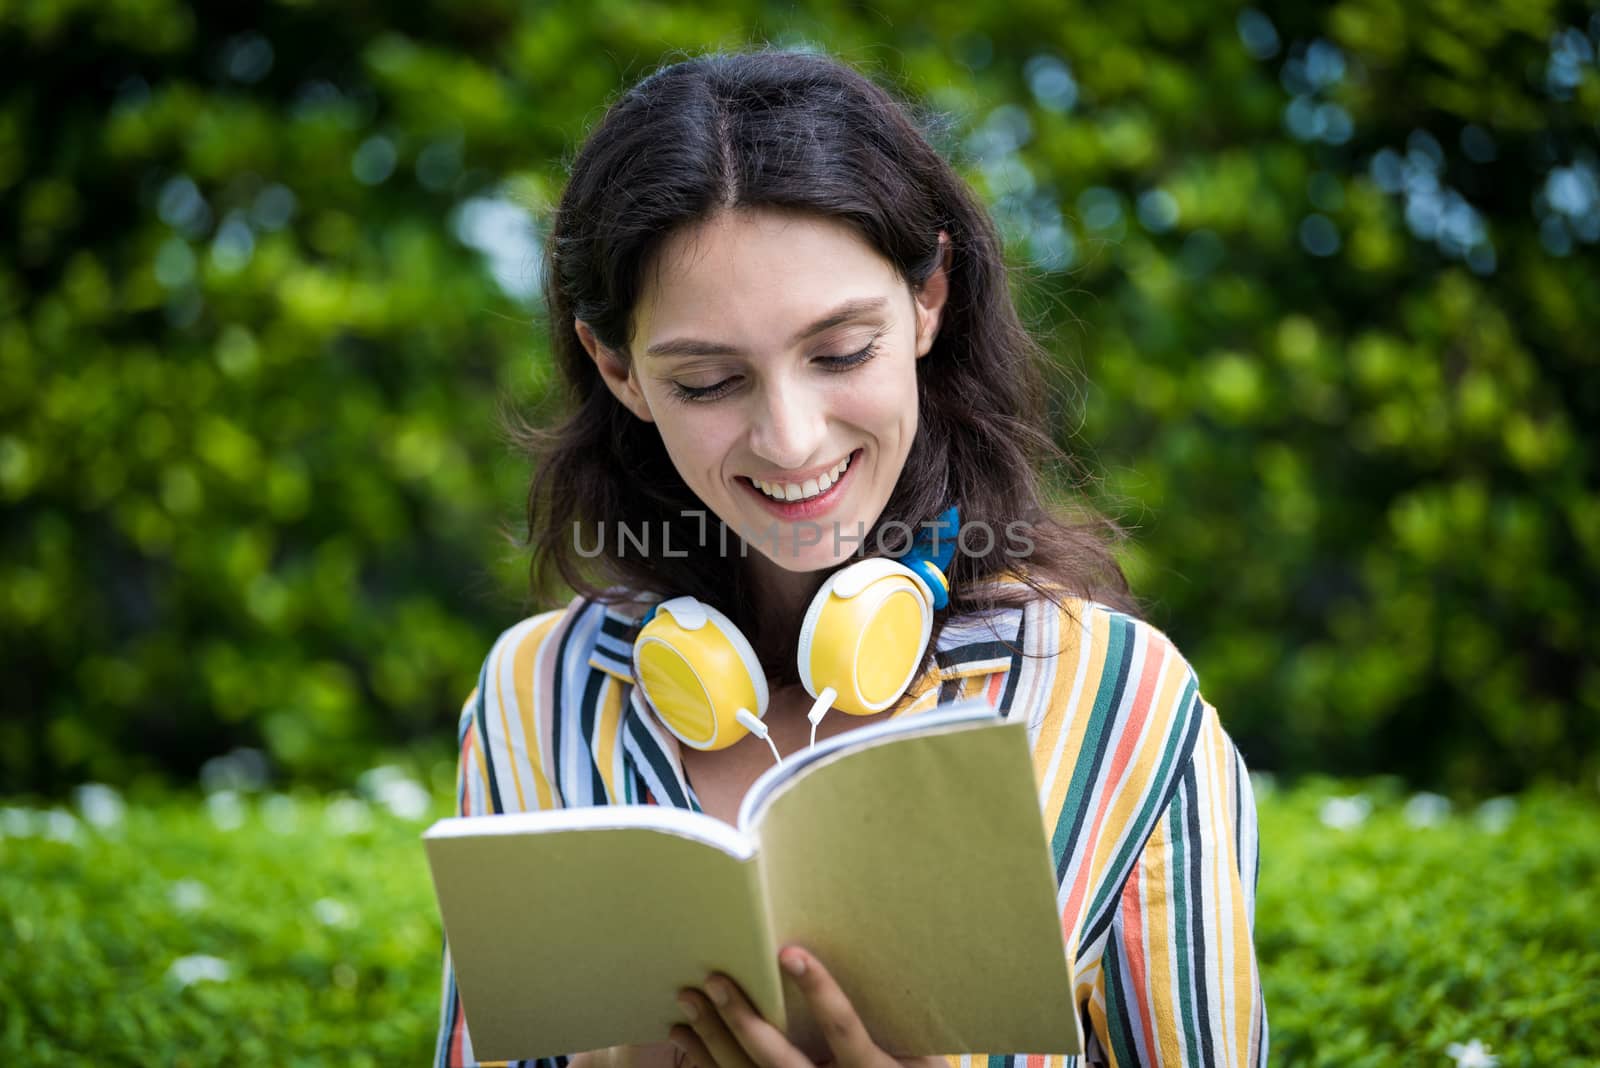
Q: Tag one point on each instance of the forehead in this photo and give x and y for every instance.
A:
(748, 277)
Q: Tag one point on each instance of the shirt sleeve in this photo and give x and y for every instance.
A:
(476, 795)
(1178, 982)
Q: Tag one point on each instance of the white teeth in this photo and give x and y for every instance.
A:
(790, 491)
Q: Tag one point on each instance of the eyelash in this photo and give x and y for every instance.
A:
(835, 364)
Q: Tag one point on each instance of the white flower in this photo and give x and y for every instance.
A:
(199, 968)
(348, 815)
(281, 812)
(371, 780)
(227, 811)
(395, 790)
(1345, 813)
(187, 895)
(60, 826)
(332, 912)
(101, 805)
(1473, 1055)
(17, 822)
(1494, 815)
(1426, 810)
(242, 769)
(406, 799)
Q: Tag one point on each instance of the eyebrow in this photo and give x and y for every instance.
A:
(844, 313)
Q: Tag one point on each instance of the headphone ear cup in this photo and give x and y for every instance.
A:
(864, 635)
(938, 586)
(697, 671)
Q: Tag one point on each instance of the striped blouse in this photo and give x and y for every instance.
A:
(1154, 827)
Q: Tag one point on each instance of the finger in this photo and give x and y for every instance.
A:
(843, 1030)
(767, 1046)
(693, 1051)
(722, 1048)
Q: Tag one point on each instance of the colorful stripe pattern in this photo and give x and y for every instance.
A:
(1154, 831)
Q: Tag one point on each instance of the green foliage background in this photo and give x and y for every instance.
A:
(1380, 944)
(1328, 272)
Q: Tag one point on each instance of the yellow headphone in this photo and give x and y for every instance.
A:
(861, 641)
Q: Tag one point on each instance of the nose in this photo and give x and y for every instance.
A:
(790, 426)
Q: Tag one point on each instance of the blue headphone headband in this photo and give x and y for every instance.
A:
(932, 551)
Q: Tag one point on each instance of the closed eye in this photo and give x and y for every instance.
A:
(702, 393)
(855, 359)
(835, 364)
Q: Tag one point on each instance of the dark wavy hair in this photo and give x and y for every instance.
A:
(804, 133)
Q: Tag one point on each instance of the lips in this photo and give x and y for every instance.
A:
(812, 507)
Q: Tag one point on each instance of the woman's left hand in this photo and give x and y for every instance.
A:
(727, 1032)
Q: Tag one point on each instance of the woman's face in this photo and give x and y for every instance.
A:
(776, 354)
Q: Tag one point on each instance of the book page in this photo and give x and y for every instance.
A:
(566, 940)
(918, 870)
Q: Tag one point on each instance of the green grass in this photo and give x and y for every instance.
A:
(1381, 944)
(1385, 943)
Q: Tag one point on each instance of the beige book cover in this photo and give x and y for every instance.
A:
(911, 856)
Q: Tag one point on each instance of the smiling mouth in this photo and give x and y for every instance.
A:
(803, 495)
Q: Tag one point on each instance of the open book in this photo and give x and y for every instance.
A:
(909, 855)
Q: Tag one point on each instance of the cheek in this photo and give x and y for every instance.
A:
(698, 444)
(886, 406)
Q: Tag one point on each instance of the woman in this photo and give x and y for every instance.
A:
(784, 323)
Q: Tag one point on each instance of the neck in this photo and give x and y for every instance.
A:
(780, 597)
